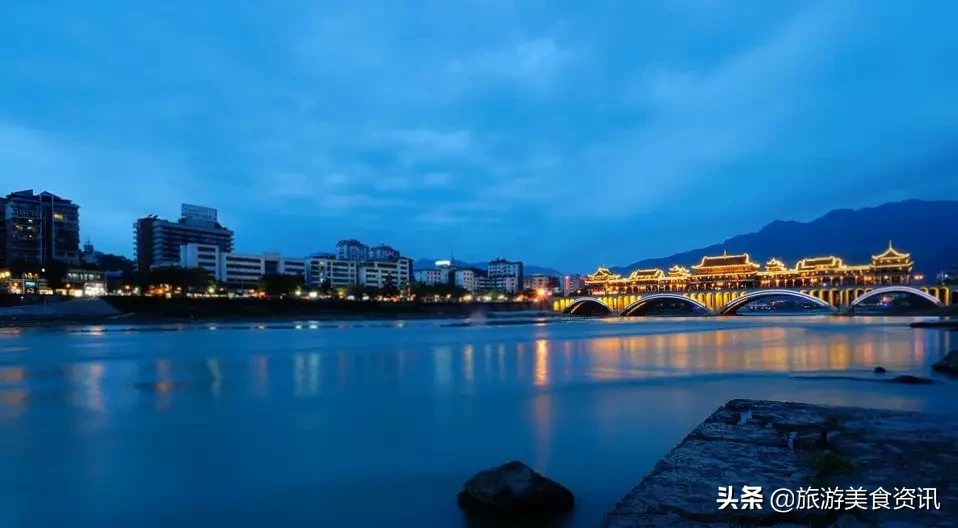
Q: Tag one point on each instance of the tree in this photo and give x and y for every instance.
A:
(326, 287)
(186, 279)
(55, 273)
(422, 290)
(280, 284)
(389, 288)
(111, 262)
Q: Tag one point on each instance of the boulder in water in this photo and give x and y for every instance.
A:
(947, 364)
(515, 489)
(911, 380)
(880, 370)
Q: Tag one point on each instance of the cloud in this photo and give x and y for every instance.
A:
(548, 131)
(112, 185)
(528, 64)
(437, 179)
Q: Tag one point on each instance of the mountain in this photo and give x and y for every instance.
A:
(926, 229)
(527, 269)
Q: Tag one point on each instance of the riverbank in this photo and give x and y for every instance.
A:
(156, 310)
(788, 445)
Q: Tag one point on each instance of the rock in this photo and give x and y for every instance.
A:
(947, 364)
(515, 489)
(911, 380)
(877, 446)
(880, 370)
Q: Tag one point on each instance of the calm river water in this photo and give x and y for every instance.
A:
(379, 424)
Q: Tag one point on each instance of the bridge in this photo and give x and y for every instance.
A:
(728, 302)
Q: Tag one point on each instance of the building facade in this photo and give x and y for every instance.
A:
(206, 256)
(467, 279)
(380, 274)
(352, 249)
(729, 272)
(383, 252)
(537, 282)
(39, 228)
(238, 270)
(338, 273)
(157, 242)
(571, 283)
(500, 268)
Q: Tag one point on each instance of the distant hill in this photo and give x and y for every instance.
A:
(926, 229)
(528, 269)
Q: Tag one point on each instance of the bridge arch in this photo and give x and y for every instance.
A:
(878, 292)
(733, 306)
(592, 302)
(644, 301)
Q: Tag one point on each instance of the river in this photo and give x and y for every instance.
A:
(379, 424)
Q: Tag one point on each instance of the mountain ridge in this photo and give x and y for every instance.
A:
(913, 226)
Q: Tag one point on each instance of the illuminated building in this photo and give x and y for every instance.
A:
(537, 282)
(500, 270)
(158, 241)
(38, 228)
(731, 272)
(571, 283)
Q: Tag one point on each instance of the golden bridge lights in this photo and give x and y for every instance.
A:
(739, 272)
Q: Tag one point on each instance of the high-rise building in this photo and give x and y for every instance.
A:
(571, 283)
(352, 249)
(501, 268)
(39, 228)
(383, 252)
(158, 241)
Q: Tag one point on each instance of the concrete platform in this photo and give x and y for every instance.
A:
(886, 449)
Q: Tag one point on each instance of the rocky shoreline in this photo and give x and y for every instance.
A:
(775, 445)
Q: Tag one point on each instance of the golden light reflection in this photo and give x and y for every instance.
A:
(542, 362)
(761, 349)
(12, 400)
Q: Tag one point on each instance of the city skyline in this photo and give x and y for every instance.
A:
(545, 134)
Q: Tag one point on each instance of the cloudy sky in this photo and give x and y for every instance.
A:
(567, 134)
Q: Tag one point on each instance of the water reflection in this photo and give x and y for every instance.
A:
(467, 364)
(85, 380)
(542, 362)
(554, 395)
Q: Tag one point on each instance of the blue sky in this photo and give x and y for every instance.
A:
(567, 134)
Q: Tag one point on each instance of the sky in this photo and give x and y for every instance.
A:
(566, 134)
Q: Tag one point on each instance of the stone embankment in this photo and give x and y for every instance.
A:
(792, 445)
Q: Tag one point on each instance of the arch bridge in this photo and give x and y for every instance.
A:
(727, 302)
